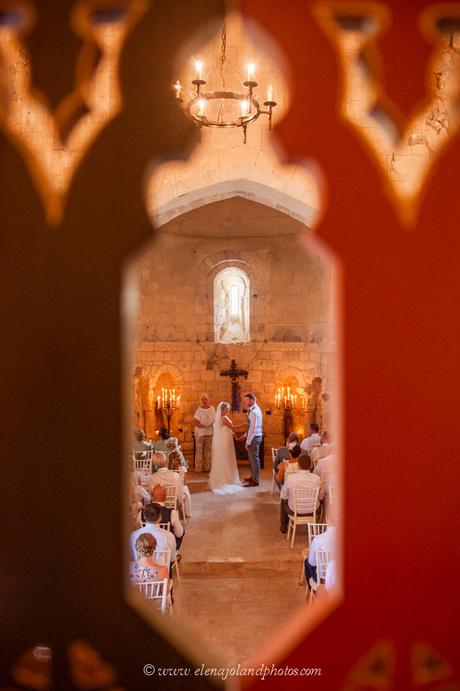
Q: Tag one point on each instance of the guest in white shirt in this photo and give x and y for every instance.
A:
(164, 476)
(169, 478)
(330, 579)
(326, 464)
(302, 479)
(322, 450)
(326, 470)
(324, 541)
(165, 539)
(204, 427)
(312, 439)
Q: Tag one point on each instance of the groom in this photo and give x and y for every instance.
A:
(253, 436)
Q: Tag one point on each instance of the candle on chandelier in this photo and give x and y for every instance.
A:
(178, 89)
(201, 104)
(244, 108)
(270, 93)
(251, 71)
(199, 69)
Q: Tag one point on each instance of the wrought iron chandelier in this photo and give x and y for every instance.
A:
(224, 108)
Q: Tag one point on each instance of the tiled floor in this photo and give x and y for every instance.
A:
(239, 575)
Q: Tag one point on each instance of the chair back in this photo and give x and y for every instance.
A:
(163, 557)
(165, 526)
(274, 452)
(315, 529)
(143, 464)
(331, 494)
(171, 497)
(291, 468)
(323, 557)
(305, 500)
(156, 591)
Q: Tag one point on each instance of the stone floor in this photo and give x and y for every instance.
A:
(239, 575)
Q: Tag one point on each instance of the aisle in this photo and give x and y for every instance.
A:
(239, 575)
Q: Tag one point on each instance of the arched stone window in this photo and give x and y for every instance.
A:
(231, 306)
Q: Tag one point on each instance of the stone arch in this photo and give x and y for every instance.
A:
(244, 187)
(284, 373)
(166, 368)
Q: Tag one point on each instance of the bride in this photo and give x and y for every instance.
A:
(224, 478)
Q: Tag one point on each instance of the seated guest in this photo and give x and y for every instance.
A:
(282, 454)
(140, 445)
(145, 567)
(312, 439)
(322, 450)
(324, 541)
(329, 581)
(291, 466)
(138, 492)
(161, 442)
(325, 470)
(176, 459)
(169, 478)
(302, 479)
(164, 538)
(326, 464)
(167, 515)
(138, 496)
(163, 476)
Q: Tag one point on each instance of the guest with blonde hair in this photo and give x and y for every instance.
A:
(145, 568)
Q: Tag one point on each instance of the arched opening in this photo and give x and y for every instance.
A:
(231, 306)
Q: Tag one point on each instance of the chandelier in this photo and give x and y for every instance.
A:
(224, 108)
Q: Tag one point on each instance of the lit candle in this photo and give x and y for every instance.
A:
(251, 70)
(270, 93)
(199, 69)
(244, 108)
(158, 401)
(201, 104)
(178, 89)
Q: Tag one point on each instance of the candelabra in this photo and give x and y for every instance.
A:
(168, 402)
(287, 401)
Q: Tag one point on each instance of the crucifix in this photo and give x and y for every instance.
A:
(234, 373)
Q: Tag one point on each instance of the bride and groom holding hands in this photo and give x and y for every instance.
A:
(224, 478)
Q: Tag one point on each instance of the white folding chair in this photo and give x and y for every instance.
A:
(314, 529)
(165, 526)
(163, 557)
(290, 468)
(323, 557)
(181, 499)
(305, 508)
(274, 452)
(171, 497)
(144, 465)
(156, 591)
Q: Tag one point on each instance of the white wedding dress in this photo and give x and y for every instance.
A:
(224, 478)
